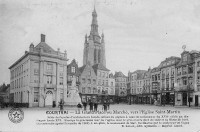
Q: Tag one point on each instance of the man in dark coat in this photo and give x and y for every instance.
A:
(104, 106)
(85, 105)
(91, 105)
(95, 105)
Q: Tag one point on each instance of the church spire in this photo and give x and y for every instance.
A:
(94, 25)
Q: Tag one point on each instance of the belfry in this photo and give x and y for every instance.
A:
(94, 46)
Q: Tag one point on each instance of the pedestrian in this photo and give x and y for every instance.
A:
(91, 105)
(95, 105)
(79, 106)
(85, 105)
(108, 105)
(61, 105)
(104, 106)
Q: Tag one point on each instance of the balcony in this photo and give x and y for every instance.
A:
(185, 88)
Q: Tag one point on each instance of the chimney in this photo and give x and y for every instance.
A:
(42, 38)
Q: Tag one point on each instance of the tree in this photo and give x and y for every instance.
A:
(44, 96)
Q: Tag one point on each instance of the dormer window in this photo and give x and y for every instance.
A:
(73, 69)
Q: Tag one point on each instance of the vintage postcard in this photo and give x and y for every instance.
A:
(100, 65)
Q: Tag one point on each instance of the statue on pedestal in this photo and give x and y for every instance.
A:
(73, 98)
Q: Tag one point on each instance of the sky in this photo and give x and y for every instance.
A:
(138, 33)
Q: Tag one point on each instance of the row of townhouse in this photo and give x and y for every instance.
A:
(176, 81)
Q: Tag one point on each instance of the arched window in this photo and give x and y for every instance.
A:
(95, 57)
(99, 56)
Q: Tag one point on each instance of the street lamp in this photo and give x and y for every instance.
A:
(28, 98)
(189, 93)
(175, 87)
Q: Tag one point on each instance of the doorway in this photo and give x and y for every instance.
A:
(184, 98)
(49, 98)
(196, 100)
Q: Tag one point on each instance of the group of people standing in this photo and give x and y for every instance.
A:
(93, 105)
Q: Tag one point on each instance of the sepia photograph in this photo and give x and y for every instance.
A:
(100, 65)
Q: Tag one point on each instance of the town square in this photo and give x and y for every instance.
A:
(98, 57)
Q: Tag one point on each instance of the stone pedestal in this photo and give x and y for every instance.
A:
(73, 97)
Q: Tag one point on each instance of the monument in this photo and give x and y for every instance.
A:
(73, 96)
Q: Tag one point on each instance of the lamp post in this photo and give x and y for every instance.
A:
(28, 98)
(189, 94)
(175, 87)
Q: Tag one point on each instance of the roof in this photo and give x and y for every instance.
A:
(170, 61)
(100, 67)
(46, 47)
(119, 74)
(111, 75)
(155, 69)
(81, 69)
(73, 64)
(189, 60)
(4, 87)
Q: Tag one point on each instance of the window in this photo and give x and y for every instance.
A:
(36, 71)
(89, 81)
(185, 57)
(198, 87)
(61, 68)
(69, 78)
(172, 72)
(172, 83)
(83, 90)
(99, 82)
(106, 82)
(198, 76)
(184, 70)
(198, 63)
(61, 95)
(89, 90)
(167, 83)
(178, 71)
(49, 79)
(61, 74)
(36, 95)
(152, 77)
(94, 81)
(184, 81)
(94, 90)
(155, 77)
(99, 73)
(83, 80)
(73, 69)
(163, 83)
(179, 82)
(111, 83)
(89, 73)
(190, 69)
(61, 81)
(190, 81)
(49, 67)
(158, 76)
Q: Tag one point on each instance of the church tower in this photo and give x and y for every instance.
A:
(94, 46)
